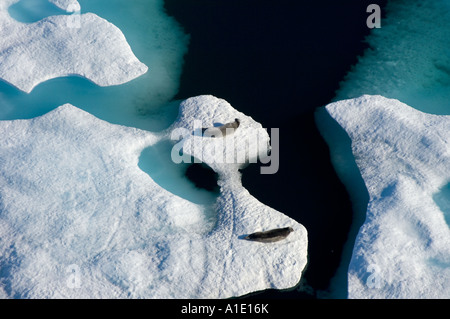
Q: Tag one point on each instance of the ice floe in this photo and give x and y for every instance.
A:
(403, 248)
(80, 219)
(64, 45)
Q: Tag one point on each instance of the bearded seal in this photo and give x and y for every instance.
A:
(270, 236)
(223, 130)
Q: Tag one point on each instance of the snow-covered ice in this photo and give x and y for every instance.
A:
(403, 248)
(223, 155)
(67, 5)
(65, 45)
(80, 219)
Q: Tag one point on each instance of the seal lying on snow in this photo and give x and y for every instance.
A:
(270, 236)
(222, 130)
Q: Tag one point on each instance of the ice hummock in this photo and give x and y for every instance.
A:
(403, 248)
(80, 219)
(83, 45)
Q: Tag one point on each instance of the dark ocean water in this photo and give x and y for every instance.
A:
(277, 61)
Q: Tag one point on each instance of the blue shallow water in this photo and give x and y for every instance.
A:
(408, 59)
(29, 11)
(442, 199)
(156, 162)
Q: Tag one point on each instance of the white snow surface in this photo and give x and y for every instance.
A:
(68, 5)
(79, 219)
(79, 44)
(403, 248)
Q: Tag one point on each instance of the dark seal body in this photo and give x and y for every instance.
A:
(270, 236)
(223, 130)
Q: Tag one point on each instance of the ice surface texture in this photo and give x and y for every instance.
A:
(79, 219)
(83, 45)
(403, 248)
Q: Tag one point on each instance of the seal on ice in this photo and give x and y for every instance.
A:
(270, 236)
(223, 130)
